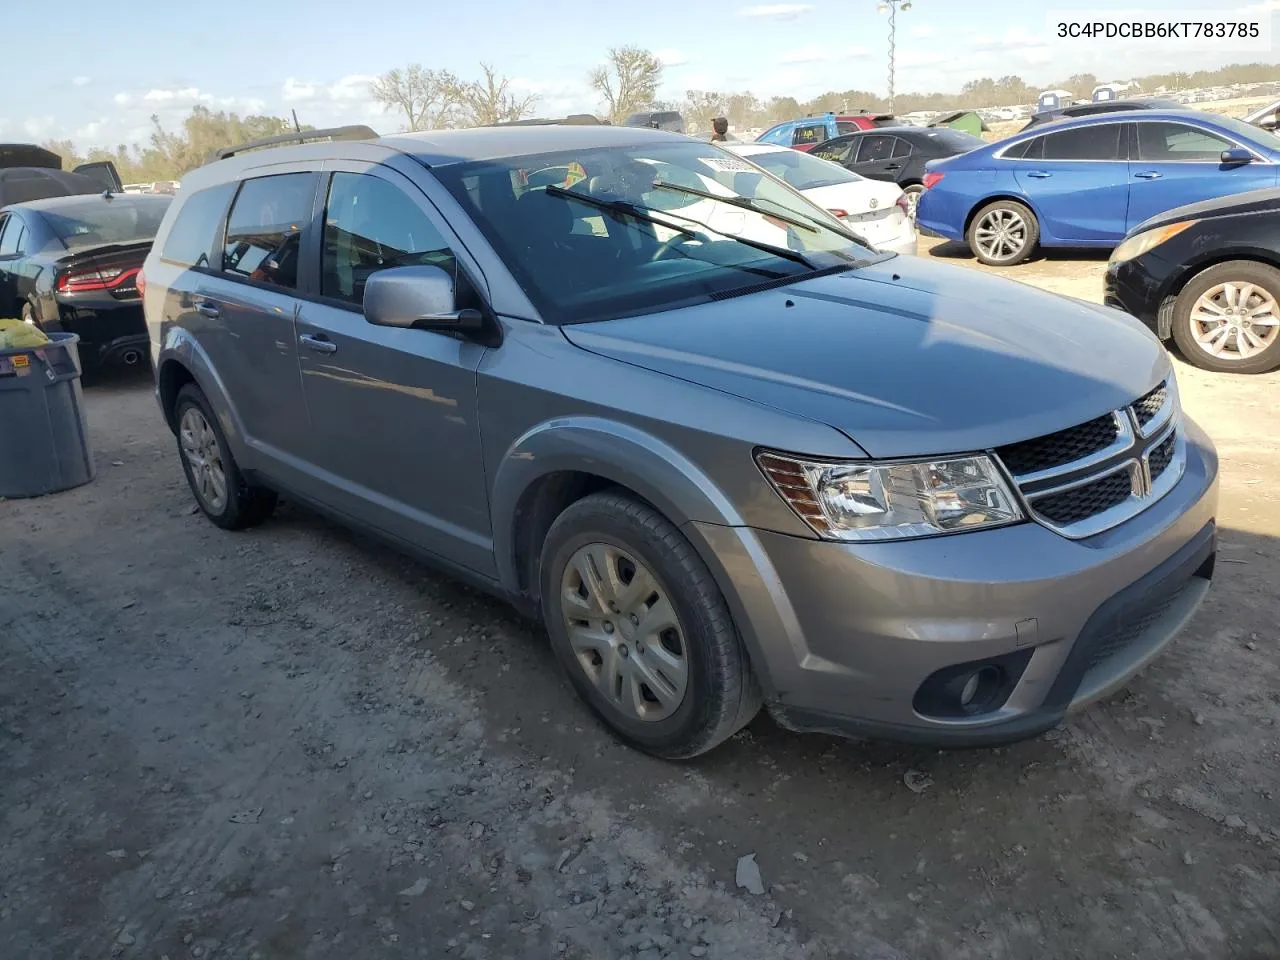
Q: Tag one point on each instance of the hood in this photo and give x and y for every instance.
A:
(1253, 201)
(904, 356)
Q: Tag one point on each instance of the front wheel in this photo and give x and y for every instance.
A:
(1003, 233)
(637, 621)
(1227, 319)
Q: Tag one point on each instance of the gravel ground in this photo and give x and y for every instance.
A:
(294, 743)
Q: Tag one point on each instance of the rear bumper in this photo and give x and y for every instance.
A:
(111, 332)
(905, 241)
(855, 639)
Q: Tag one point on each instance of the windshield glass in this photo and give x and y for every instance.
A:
(579, 262)
(801, 170)
(98, 221)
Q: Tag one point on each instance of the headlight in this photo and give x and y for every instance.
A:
(892, 501)
(1148, 240)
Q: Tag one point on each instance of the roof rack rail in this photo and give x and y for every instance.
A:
(354, 132)
(574, 119)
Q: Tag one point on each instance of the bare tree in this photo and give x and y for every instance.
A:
(628, 81)
(491, 100)
(428, 98)
(701, 107)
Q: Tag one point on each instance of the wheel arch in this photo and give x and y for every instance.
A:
(995, 198)
(181, 360)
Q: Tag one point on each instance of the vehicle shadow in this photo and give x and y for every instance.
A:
(959, 250)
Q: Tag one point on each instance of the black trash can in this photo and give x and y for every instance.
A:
(44, 446)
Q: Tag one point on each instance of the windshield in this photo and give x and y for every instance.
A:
(801, 170)
(580, 260)
(1249, 133)
(97, 221)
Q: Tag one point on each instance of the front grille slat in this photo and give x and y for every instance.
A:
(1090, 477)
(1061, 448)
(1089, 500)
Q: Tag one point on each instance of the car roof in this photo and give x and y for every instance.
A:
(54, 204)
(1117, 116)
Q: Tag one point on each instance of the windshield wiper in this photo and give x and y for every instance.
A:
(627, 208)
(618, 207)
(744, 202)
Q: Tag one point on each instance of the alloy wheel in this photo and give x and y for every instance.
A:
(1235, 321)
(1001, 234)
(624, 632)
(200, 449)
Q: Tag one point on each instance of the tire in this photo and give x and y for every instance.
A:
(240, 504)
(720, 694)
(913, 192)
(1008, 211)
(1209, 284)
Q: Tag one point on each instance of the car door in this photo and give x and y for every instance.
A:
(1078, 183)
(394, 428)
(1176, 163)
(808, 135)
(247, 305)
(875, 157)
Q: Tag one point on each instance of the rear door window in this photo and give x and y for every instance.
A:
(1101, 142)
(264, 229)
(901, 148)
(875, 148)
(11, 232)
(192, 239)
(844, 127)
(810, 133)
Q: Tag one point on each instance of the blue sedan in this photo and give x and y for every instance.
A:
(1088, 182)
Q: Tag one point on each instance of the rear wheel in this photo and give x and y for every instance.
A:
(1003, 233)
(913, 192)
(220, 489)
(1227, 319)
(637, 621)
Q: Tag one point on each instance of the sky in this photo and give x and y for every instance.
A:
(98, 81)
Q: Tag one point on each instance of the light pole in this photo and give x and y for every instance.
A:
(891, 7)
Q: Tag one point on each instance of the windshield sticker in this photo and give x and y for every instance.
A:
(727, 164)
(574, 173)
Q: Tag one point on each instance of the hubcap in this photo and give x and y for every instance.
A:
(200, 449)
(1001, 234)
(624, 632)
(1235, 321)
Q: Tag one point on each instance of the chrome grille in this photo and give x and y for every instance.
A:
(1091, 477)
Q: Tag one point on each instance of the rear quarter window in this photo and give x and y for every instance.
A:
(192, 238)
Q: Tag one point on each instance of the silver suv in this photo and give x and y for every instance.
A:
(728, 454)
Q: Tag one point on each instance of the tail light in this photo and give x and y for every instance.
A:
(141, 282)
(932, 179)
(838, 213)
(903, 205)
(87, 280)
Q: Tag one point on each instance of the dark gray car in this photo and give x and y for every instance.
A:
(727, 453)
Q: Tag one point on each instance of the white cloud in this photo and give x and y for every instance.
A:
(4, 124)
(80, 81)
(294, 90)
(38, 128)
(90, 131)
(672, 58)
(122, 99)
(777, 11)
(185, 95)
(352, 87)
(253, 105)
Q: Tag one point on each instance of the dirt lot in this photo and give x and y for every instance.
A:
(293, 743)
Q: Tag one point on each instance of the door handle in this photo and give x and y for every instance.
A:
(1040, 174)
(206, 307)
(1148, 175)
(318, 343)
(894, 166)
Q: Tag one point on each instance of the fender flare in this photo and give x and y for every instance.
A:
(618, 452)
(181, 348)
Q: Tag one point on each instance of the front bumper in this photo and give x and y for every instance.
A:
(1130, 287)
(846, 637)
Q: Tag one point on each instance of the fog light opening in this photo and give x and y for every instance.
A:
(978, 689)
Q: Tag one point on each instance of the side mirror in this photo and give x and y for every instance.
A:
(419, 297)
(1236, 155)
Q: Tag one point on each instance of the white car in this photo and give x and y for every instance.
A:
(875, 210)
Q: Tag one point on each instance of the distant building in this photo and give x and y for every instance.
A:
(1112, 91)
(1053, 99)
